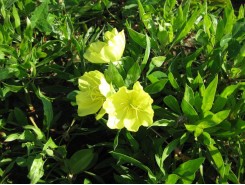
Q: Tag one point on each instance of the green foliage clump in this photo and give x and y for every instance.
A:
(189, 56)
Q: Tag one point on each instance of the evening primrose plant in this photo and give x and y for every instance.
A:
(122, 92)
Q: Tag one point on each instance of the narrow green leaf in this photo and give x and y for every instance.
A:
(134, 144)
(173, 81)
(186, 27)
(209, 94)
(47, 108)
(163, 123)
(137, 163)
(16, 19)
(147, 52)
(217, 159)
(168, 150)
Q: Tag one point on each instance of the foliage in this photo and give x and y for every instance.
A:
(187, 55)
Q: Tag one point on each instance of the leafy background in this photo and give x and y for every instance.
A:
(188, 55)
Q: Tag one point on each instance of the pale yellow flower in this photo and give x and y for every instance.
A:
(93, 92)
(129, 109)
(110, 50)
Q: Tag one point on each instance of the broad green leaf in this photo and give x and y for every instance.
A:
(12, 137)
(38, 14)
(133, 74)
(172, 179)
(80, 161)
(229, 18)
(7, 73)
(112, 75)
(188, 169)
(172, 103)
(209, 94)
(189, 95)
(20, 116)
(158, 61)
(137, 163)
(139, 38)
(156, 76)
(217, 159)
(49, 144)
(156, 87)
(36, 170)
(188, 109)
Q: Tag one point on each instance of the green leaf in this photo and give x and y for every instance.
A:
(139, 38)
(158, 61)
(80, 161)
(172, 103)
(173, 81)
(39, 13)
(112, 75)
(47, 108)
(209, 94)
(12, 137)
(36, 171)
(188, 109)
(147, 52)
(217, 159)
(186, 27)
(7, 73)
(16, 19)
(38, 132)
(188, 169)
(133, 74)
(168, 150)
(172, 179)
(20, 116)
(137, 163)
(133, 143)
(156, 87)
(163, 123)
(189, 95)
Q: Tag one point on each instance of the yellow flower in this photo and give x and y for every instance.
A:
(93, 91)
(109, 51)
(129, 108)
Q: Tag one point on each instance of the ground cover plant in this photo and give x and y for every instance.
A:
(127, 91)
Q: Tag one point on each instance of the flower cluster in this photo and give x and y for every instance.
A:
(125, 108)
